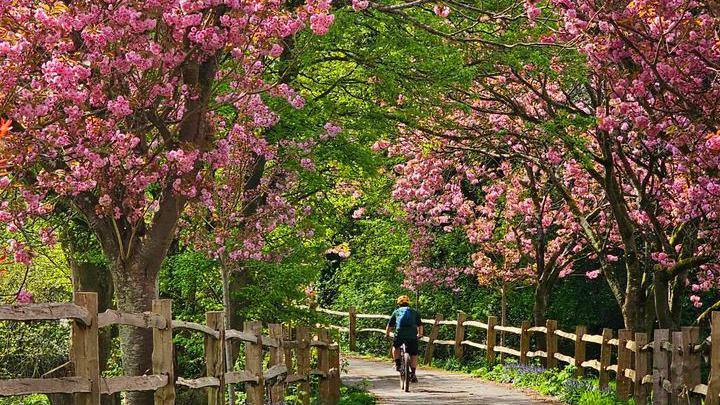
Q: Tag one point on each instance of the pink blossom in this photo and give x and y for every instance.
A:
(307, 164)
(332, 129)
(276, 51)
(380, 145)
(297, 102)
(358, 213)
(532, 11)
(24, 297)
(105, 201)
(359, 5)
(320, 23)
(441, 10)
(48, 237)
(120, 107)
(592, 274)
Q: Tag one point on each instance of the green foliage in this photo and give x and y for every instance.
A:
(355, 396)
(25, 400)
(557, 383)
(193, 283)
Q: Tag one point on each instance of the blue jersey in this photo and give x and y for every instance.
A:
(406, 321)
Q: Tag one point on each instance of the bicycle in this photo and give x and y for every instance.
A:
(404, 369)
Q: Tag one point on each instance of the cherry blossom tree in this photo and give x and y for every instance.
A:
(654, 65)
(519, 225)
(623, 99)
(126, 113)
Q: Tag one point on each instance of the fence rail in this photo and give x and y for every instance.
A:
(289, 350)
(666, 367)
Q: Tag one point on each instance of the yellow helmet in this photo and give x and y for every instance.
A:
(403, 299)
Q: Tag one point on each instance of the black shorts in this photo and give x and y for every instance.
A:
(411, 345)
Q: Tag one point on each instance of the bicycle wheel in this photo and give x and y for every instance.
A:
(406, 371)
(402, 367)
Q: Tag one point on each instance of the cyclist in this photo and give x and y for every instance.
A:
(408, 329)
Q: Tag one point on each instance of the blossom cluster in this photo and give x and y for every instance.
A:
(127, 109)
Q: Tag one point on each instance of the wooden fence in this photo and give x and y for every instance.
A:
(664, 367)
(289, 352)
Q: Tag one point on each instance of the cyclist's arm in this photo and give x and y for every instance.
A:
(389, 325)
(420, 327)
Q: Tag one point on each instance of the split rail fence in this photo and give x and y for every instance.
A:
(664, 367)
(290, 356)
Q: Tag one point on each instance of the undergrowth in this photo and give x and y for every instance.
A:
(559, 383)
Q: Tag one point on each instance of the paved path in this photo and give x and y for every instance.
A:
(434, 387)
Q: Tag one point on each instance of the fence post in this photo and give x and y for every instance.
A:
(713, 392)
(324, 367)
(215, 356)
(162, 354)
(676, 367)
(277, 357)
(661, 367)
(334, 354)
(605, 357)
(641, 368)
(302, 336)
(579, 350)
(288, 337)
(352, 325)
(691, 360)
(624, 360)
(84, 348)
(491, 339)
(551, 343)
(431, 339)
(460, 334)
(255, 391)
(524, 342)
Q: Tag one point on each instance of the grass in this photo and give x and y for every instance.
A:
(355, 396)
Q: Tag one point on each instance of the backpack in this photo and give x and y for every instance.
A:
(405, 318)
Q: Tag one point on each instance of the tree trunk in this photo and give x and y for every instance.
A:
(503, 317)
(662, 301)
(135, 288)
(233, 282)
(633, 307)
(540, 304)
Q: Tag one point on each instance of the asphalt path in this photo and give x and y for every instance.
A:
(434, 386)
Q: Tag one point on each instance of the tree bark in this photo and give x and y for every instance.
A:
(633, 307)
(661, 294)
(233, 282)
(540, 304)
(503, 317)
(136, 287)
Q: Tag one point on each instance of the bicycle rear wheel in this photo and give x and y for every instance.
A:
(406, 372)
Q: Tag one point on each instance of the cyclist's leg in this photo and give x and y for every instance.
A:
(412, 348)
(396, 352)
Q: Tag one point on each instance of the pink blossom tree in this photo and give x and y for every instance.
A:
(519, 225)
(126, 114)
(621, 100)
(653, 64)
